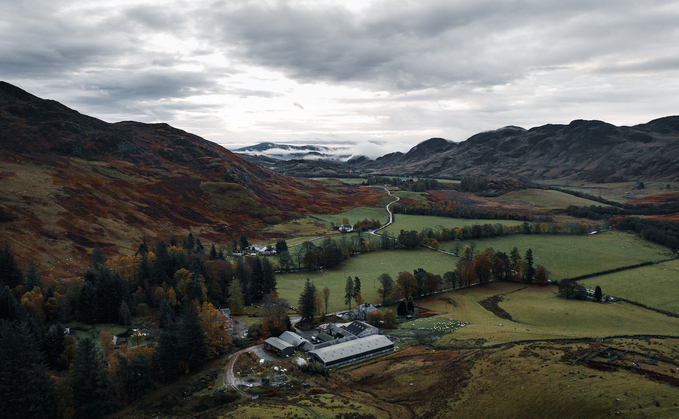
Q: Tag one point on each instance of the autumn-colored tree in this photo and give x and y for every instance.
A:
(326, 297)
(68, 354)
(465, 272)
(406, 284)
(483, 266)
(359, 299)
(214, 325)
(171, 296)
(468, 252)
(390, 319)
(541, 275)
(319, 302)
(273, 311)
(32, 302)
(107, 344)
(375, 318)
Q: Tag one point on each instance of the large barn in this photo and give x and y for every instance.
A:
(351, 351)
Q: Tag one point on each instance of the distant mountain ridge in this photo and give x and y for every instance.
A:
(592, 151)
(295, 152)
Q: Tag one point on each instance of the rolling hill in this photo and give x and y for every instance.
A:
(71, 182)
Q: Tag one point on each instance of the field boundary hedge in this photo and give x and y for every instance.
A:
(615, 270)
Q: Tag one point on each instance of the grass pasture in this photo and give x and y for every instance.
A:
(538, 313)
(543, 200)
(353, 215)
(568, 256)
(655, 285)
(420, 222)
(367, 267)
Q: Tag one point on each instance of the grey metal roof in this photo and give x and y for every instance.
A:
(352, 348)
(292, 338)
(357, 327)
(278, 343)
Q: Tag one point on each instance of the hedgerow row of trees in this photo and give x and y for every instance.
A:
(419, 185)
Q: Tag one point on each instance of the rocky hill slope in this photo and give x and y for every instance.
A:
(71, 182)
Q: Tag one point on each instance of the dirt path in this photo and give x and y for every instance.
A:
(230, 380)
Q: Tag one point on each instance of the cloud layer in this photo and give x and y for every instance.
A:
(383, 75)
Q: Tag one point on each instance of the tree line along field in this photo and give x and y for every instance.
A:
(420, 222)
(568, 256)
(368, 267)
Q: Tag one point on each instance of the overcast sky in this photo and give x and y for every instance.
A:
(380, 76)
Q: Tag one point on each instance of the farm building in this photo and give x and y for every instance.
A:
(346, 228)
(351, 351)
(293, 339)
(279, 347)
(356, 328)
(361, 312)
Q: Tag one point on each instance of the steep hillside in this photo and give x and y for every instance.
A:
(71, 182)
(585, 150)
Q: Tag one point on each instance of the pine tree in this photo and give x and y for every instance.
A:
(165, 315)
(269, 277)
(213, 253)
(192, 348)
(530, 270)
(9, 306)
(189, 243)
(90, 382)
(32, 277)
(86, 304)
(235, 300)
(307, 302)
(10, 274)
(124, 314)
(165, 357)
(257, 280)
(199, 250)
(54, 345)
(357, 286)
(25, 387)
(349, 292)
(139, 377)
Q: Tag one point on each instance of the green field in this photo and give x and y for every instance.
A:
(538, 313)
(416, 196)
(655, 285)
(568, 256)
(545, 200)
(420, 222)
(367, 267)
(354, 215)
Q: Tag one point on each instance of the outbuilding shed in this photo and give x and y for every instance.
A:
(351, 351)
(279, 347)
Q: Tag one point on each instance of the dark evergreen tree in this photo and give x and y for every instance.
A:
(243, 242)
(124, 315)
(411, 305)
(9, 306)
(139, 377)
(90, 382)
(281, 246)
(402, 308)
(26, 391)
(243, 276)
(357, 286)
(54, 345)
(145, 272)
(86, 304)
(172, 241)
(143, 247)
(32, 279)
(192, 349)
(269, 277)
(110, 295)
(530, 270)
(97, 259)
(349, 291)
(166, 359)
(165, 315)
(189, 243)
(213, 252)
(161, 272)
(597, 294)
(307, 302)
(257, 279)
(199, 249)
(10, 274)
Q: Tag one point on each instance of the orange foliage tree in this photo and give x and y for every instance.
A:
(215, 326)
